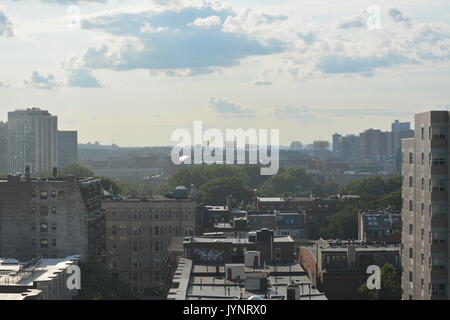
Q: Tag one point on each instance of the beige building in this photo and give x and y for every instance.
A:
(425, 208)
(138, 236)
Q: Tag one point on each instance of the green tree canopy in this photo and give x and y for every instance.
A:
(98, 283)
(215, 191)
(293, 181)
(77, 170)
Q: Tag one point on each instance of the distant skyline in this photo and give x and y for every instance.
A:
(137, 70)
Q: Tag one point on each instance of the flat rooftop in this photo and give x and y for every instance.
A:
(200, 282)
(234, 240)
(18, 274)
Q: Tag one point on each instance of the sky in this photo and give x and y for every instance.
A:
(131, 72)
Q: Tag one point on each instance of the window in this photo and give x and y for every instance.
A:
(411, 158)
(410, 276)
(411, 253)
(53, 210)
(33, 226)
(422, 259)
(53, 194)
(439, 133)
(44, 227)
(33, 242)
(438, 159)
(54, 242)
(44, 194)
(422, 183)
(114, 230)
(439, 184)
(44, 243)
(422, 133)
(438, 289)
(33, 209)
(61, 195)
(422, 158)
(410, 229)
(33, 194)
(43, 211)
(422, 234)
(411, 205)
(53, 226)
(411, 182)
(422, 208)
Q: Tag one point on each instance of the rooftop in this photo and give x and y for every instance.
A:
(201, 282)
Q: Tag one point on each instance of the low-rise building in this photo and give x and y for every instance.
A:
(339, 268)
(39, 279)
(380, 226)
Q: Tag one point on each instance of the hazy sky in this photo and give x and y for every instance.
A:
(130, 72)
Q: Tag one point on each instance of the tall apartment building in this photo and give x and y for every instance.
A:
(425, 196)
(3, 147)
(51, 218)
(138, 236)
(67, 148)
(32, 140)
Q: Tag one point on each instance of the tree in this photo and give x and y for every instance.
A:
(109, 184)
(390, 286)
(293, 181)
(215, 191)
(343, 224)
(97, 283)
(77, 170)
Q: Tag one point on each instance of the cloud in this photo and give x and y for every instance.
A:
(6, 26)
(187, 37)
(364, 65)
(230, 110)
(39, 81)
(82, 78)
(398, 16)
(262, 83)
(212, 21)
(351, 22)
(293, 112)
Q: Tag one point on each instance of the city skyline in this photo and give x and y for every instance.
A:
(294, 66)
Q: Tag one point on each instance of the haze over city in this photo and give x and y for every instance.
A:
(134, 71)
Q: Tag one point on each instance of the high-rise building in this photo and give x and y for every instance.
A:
(32, 140)
(3, 147)
(425, 193)
(67, 148)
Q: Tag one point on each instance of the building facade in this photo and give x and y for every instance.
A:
(51, 218)
(32, 140)
(3, 147)
(425, 208)
(138, 235)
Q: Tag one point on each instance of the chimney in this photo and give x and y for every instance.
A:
(55, 172)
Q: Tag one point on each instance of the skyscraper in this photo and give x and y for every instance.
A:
(67, 148)
(425, 196)
(3, 147)
(32, 140)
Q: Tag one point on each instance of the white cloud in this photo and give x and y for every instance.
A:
(6, 26)
(230, 110)
(208, 22)
(40, 81)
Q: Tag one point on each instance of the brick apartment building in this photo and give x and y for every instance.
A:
(380, 226)
(51, 218)
(339, 268)
(138, 235)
